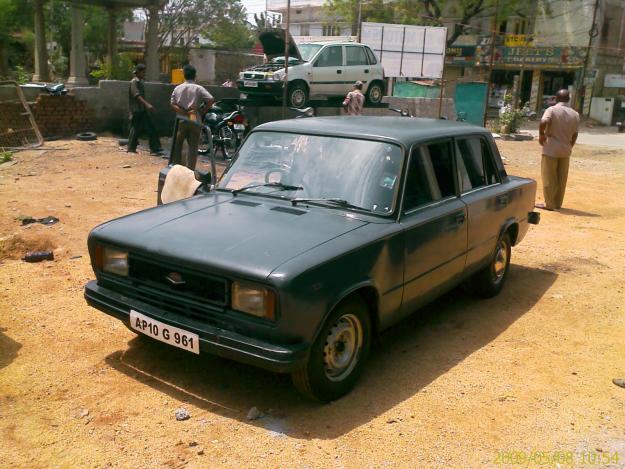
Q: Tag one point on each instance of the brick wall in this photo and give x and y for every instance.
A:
(62, 116)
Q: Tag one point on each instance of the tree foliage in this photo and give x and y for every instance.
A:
(223, 22)
(424, 12)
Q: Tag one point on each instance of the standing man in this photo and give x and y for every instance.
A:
(186, 101)
(558, 134)
(140, 118)
(355, 100)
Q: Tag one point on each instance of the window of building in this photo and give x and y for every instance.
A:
(304, 30)
(331, 30)
(475, 164)
(330, 57)
(355, 55)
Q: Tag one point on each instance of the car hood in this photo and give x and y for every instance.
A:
(242, 236)
(273, 43)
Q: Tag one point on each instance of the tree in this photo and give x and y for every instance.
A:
(16, 25)
(424, 12)
(223, 22)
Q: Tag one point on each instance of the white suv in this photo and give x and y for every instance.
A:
(316, 70)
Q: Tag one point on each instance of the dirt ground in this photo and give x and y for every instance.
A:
(467, 384)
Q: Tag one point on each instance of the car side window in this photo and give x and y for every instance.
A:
(371, 56)
(330, 57)
(475, 164)
(430, 175)
(355, 55)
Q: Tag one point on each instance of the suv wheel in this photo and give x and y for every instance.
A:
(375, 93)
(489, 281)
(298, 95)
(337, 357)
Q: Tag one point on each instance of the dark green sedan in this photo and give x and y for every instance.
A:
(321, 233)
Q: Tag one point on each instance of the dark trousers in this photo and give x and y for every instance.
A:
(191, 133)
(139, 122)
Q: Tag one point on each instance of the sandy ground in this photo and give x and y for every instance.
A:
(467, 384)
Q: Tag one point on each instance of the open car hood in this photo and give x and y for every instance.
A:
(273, 43)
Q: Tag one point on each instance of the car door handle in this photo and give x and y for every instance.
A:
(502, 200)
(339, 71)
(460, 218)
(367, 71)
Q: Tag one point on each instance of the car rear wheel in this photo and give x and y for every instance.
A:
(338, 355)
(375, 93)
(489, 281)
(298, 95)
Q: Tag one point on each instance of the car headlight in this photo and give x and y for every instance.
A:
(253, 299)
(279, 75)
(112, 260)
(241, 76)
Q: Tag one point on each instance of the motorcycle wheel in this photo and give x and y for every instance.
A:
(229, 142)
(203, 146)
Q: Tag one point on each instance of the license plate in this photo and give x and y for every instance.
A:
(250, 84)
(164, 332)
(239, 126)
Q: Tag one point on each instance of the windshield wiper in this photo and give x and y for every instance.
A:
(278, 185)
(329, 200)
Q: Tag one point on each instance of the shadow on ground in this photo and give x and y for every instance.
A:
(410, 356)
(577, 213)
(8, 349)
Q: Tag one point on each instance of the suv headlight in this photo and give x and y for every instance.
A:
(253, 299)
(112, 260)
(241, 76)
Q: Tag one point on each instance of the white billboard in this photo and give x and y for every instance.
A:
(407, 51)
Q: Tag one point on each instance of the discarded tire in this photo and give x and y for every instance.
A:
(86, 136)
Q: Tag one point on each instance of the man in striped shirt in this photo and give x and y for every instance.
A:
(355, 100)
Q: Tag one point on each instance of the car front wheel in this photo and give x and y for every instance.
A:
(489, 281)
(298, 95)
(337, 357)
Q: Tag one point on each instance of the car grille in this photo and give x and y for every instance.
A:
(253, 76)
(202, 297)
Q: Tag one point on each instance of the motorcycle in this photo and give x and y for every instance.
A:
(227, 128)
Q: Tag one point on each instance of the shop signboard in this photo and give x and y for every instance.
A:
(460, 55)
(612, 80)
(518, 40)
(546, 57)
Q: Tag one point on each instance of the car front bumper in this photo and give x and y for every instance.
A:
(265, 88)
(213, 340)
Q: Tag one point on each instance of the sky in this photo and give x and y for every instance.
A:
(254, 6)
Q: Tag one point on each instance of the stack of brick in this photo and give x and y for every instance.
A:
(62, 116)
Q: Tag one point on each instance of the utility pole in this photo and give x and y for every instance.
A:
(591, 34)
(359, 20)
(287, 43)
(493, 39)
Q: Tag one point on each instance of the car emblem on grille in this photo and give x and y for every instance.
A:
(175, 278)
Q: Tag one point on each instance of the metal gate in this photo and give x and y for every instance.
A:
(18, 129)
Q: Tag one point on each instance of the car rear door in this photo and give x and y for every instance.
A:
(328, 72)
(434, 222)
(484, 194)
(357, 67)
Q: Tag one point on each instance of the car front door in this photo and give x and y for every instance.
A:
(328, 72)
(434, 220)
(486, 198)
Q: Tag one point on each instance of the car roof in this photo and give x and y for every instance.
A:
(403, 130)
(332, 43)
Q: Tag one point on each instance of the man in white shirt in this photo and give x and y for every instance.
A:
(186, 101)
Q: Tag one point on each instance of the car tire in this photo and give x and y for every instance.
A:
(338, 355)
(489, 281)
(86, 136)
(375, 93)
(297, 95)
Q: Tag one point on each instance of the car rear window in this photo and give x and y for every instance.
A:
(356, 55)
(371, 55)
(475, 164)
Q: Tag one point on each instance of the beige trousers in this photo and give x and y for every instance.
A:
(554, 173)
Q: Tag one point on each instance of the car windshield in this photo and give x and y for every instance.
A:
(308, 51)
(336, 171)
